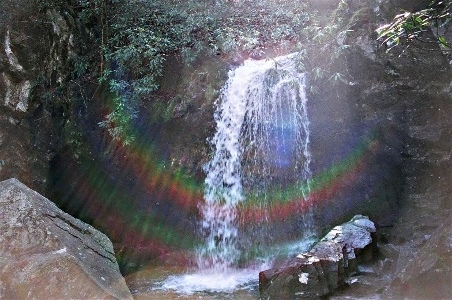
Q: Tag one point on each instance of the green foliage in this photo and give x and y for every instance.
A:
(141, 35)
(263, 25)
(323, 49)
(407, 28)
(121, 45)
(141, 38)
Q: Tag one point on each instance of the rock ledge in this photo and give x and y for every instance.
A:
(326, 267)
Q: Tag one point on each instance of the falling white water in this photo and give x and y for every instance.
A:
(261, 142)
(262, 133)
(276, 130)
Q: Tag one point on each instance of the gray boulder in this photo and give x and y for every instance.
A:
(326, 267)
(47, 254)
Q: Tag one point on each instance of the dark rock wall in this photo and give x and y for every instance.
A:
(33, 54)
(386, 98)
(406, 96)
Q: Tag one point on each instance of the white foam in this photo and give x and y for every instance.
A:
(230, 280)
(211, 281)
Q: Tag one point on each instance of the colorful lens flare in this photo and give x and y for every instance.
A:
(283, 204)
(151, 211)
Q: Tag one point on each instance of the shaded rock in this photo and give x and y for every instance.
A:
(427, 272)
(47, 254)
(35, 46)
(326, 267)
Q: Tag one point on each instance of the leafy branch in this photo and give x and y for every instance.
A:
(324, 50)
(408, 28)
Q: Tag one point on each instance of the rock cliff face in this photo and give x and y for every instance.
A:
(47, 254)
(388, 99)
(34, 50)
(406, 97)
(400, 101)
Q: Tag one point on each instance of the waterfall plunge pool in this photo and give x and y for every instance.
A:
(176, 282)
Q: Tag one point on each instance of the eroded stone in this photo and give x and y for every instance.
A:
(326, 267)
(47, 254)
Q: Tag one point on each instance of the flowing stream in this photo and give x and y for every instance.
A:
(261, 144)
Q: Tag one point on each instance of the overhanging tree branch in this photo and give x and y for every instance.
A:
(407, 27)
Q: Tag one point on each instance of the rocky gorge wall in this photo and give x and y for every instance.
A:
(33, 55)
(394, 107)
(401, 102)
(405, 96)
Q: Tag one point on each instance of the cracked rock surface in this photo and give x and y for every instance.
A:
(47, 254)
(326, 268)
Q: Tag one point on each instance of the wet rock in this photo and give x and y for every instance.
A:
(326, 267)
(17, 157)
(16, 91)
(47, 254)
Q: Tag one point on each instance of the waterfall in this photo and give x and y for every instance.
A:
(261, 143)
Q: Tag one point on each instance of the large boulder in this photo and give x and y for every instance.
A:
(47, 254)
(326, 267)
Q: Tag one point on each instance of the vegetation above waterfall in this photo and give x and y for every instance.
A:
(116, 49)
(132, 39)
(121, 46)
